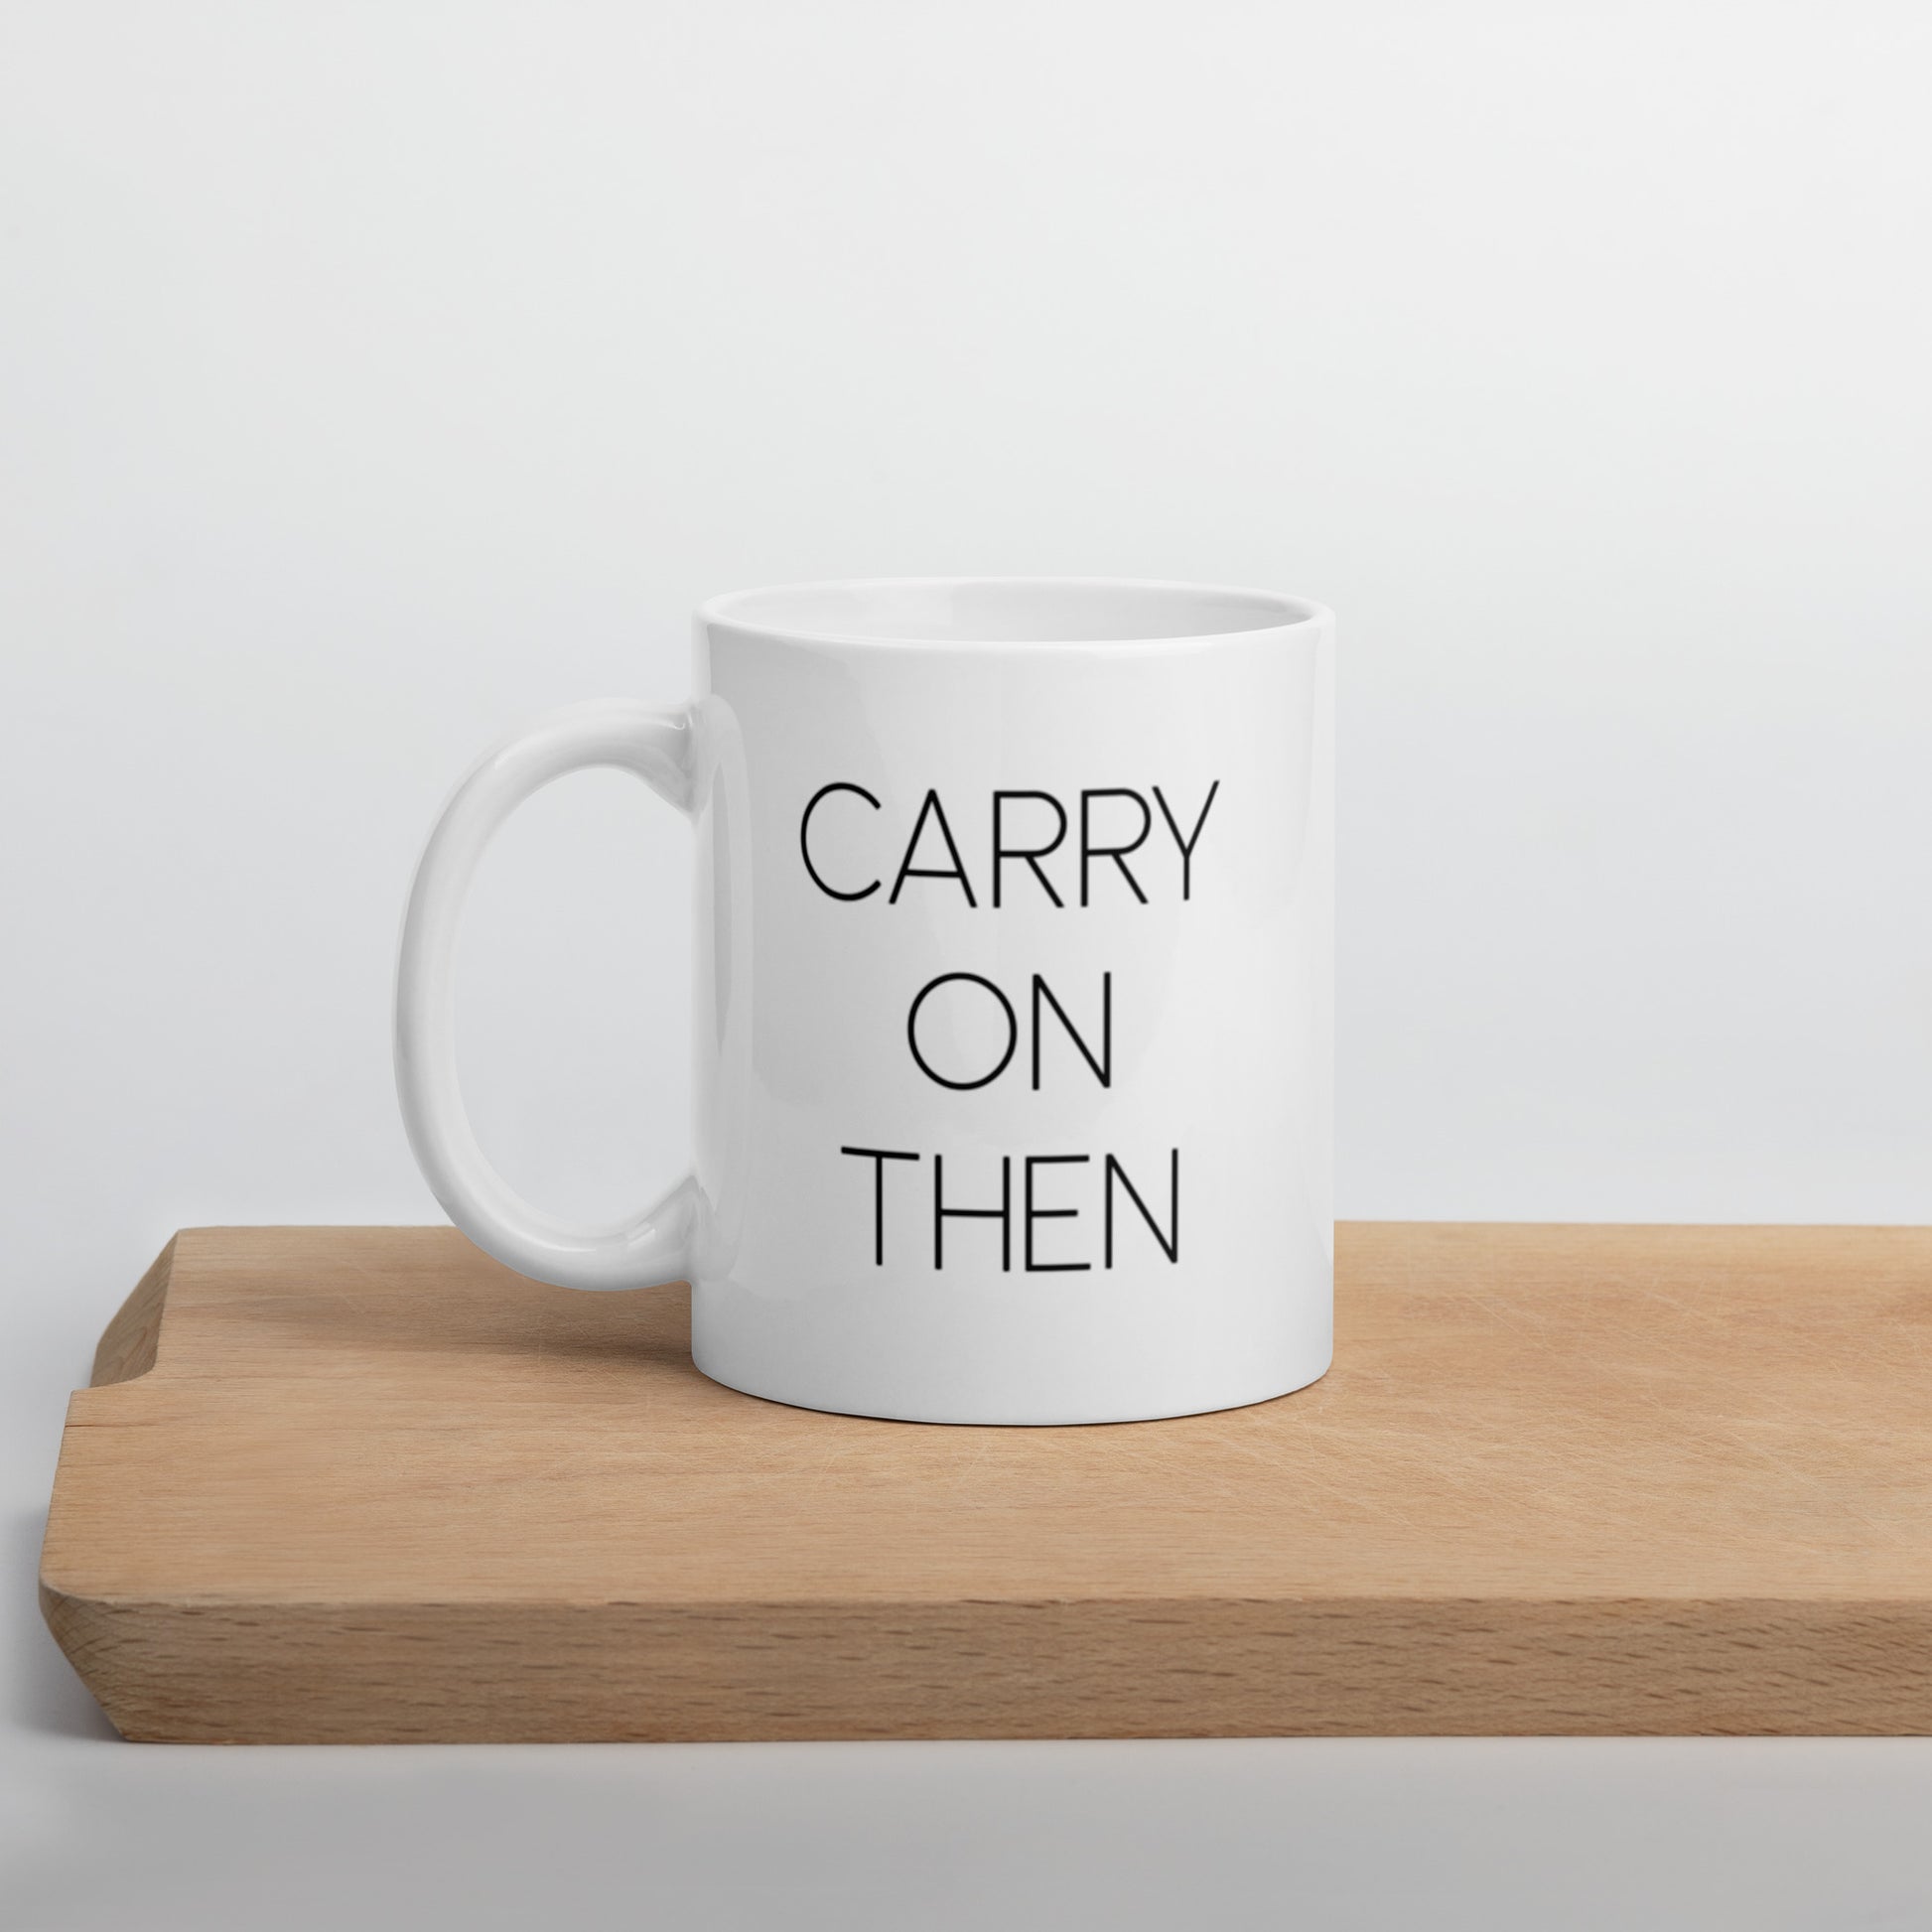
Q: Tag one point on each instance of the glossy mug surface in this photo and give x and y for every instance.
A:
(1011, 1005)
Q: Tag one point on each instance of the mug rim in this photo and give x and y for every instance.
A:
(1257, 612)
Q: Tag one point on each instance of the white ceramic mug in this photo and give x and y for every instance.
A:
(1013, 1002)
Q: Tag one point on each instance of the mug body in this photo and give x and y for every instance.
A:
(1013, 997)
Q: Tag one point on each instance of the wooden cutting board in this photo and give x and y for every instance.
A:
(364, 1485)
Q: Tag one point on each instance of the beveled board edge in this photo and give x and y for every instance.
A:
(131, 1342)
(526, 1673)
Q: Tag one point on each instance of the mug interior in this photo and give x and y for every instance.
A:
(1005, 611)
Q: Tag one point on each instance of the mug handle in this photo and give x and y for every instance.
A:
(654, 1246)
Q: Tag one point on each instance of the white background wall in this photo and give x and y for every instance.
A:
(371, 376)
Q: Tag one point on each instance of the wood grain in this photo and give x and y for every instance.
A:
(364, 1485)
